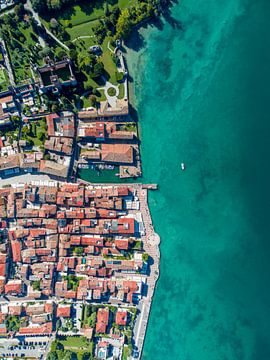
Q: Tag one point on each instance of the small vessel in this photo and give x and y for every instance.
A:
(183, 166)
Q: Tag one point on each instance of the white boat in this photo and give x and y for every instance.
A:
(183, 166)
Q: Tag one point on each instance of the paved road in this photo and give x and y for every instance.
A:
(29, 7)
(83, 37)
(20, 353)
(24, 179)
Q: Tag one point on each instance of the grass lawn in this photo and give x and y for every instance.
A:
(77, 344)
(109, 66)
(84, 29)
(86, 101)
(2, 76)
(37, 132)
(121, 91)
(84, 12)
(102, 96)
(80, 14)
(4, 81)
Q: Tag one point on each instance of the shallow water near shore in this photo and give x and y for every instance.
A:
(201, 88)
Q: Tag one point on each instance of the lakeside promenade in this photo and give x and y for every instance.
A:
(151, 242)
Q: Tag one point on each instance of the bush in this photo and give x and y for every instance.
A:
(111, 91)
(98, 70)
(145, 257)
(119, 76)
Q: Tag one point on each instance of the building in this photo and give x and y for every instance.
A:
(55, 75)
(59, 144)
(121, 317)
(106, 113)
(61, 125)
(102, 320)
(63, 310)
(54, 168)
(30, 160)
(7, 107)
(117, 153)
(10, 164)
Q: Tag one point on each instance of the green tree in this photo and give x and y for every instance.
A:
(55, 108)
(13, 323)
(79, 250)
(39, 5)
(45, 52)
(123, 25)
(19, 10)
(54, 23)
(59, 346)
(73, 54)
(36, 285)
(98, 70)
(54, 4)
(52, 355)
(93, 100)
(61, 54)
(86, 356)
(86, 63)
(92, 319)
(145, 257)
(69, 355)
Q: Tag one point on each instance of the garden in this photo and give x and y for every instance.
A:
(4, 82)
(35, 133)
(71, 348)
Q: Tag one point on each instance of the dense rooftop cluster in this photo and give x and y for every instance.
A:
(74, 240)
(71, 262)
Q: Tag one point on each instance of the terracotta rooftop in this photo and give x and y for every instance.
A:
(117, 153)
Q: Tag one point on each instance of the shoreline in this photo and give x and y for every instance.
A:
(152, 239)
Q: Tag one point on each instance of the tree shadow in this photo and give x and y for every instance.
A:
(100, 80)
(130, 79)
(135, 41)
(175, 24)
(133, 113)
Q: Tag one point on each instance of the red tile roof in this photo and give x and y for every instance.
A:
(121, 317)
(63, 311)
(122, 244)
(2, 269)
(50, 123)
(85, 240)
(102, 320)
(3, 258)
(16, 250)
(48, 307)
(13, 286)
(41, 329)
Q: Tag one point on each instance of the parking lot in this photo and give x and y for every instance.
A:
(22, 351)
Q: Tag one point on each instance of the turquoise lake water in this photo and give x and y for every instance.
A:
(203, 97)
(201, 85)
